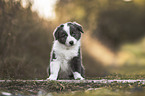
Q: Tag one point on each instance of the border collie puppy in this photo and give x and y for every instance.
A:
(66, 59)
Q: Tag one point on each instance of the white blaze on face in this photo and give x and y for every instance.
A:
(69, 37)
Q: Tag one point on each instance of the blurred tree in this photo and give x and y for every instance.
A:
(120, 22)
(24, 39)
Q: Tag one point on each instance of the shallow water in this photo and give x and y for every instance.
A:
(97, 92)
(89, 92)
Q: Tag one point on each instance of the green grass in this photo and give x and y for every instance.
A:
(127, 72)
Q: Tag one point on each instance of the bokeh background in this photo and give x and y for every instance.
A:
(113, 42)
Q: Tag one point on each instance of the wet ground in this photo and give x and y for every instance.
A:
(53, 88)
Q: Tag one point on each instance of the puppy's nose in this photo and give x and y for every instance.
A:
(71, 42)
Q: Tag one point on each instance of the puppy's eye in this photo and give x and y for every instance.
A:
(63, 35)
(73, 33)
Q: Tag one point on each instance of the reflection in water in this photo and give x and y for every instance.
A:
(99, 92)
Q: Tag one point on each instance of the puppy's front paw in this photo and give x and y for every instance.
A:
(52, 77)
(78, 76)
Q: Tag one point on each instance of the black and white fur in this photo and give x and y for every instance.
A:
(66, 61)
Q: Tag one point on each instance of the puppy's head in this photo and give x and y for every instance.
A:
(68, 33)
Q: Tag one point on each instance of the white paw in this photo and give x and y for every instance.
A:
(52, 77)
(78, 76)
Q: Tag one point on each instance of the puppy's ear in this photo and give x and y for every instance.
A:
(78, 26)
(56, 32)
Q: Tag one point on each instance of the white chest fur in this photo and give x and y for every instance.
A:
(64, 54)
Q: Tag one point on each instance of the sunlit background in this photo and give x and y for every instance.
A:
(114, 35)
(45, 8)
